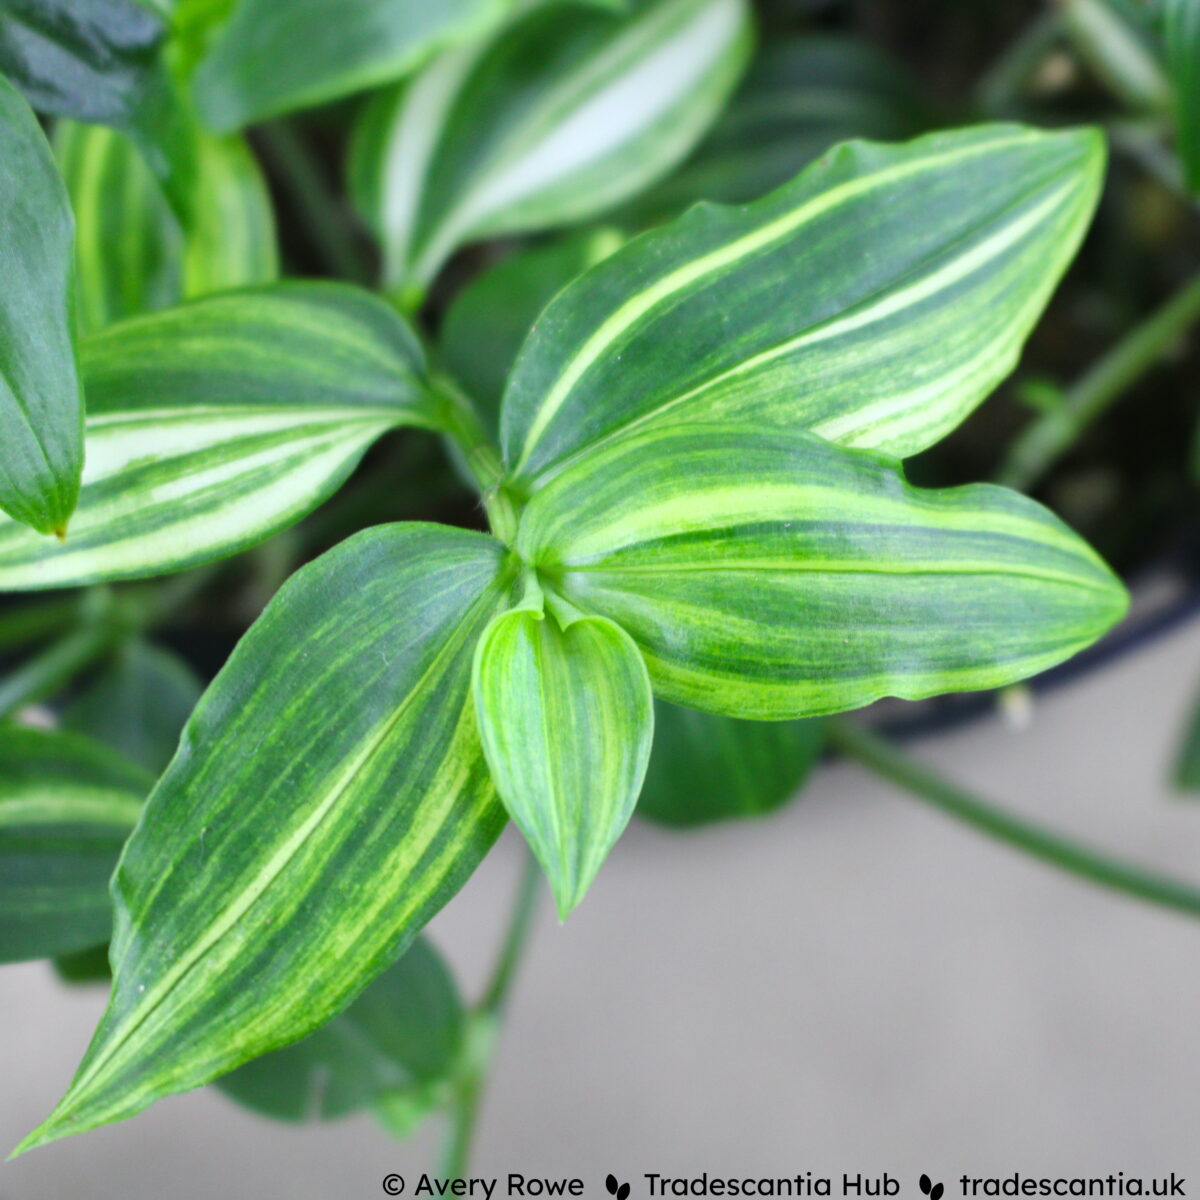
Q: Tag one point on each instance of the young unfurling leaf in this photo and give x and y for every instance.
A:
(566, 719)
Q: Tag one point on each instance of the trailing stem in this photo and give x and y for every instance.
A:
(884, 759)
(483, 1026)
(1041, 445)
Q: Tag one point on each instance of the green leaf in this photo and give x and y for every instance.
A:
(564, 114)
(801, 96)
(706, 768)
(566, 718)
(100, 61)
(128, 244)
(273, 58)
(131, 254)
(402, 1032)
(217, 423)
(328, 798)
(231, 236)
(41, 406)
(1182, 31)
(876, 300)
(82, 967)
(768, 574)
(138, 704)
(1118, 40)
(66, 808)
(483, 329)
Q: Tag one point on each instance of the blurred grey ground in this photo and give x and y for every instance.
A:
(854, 985)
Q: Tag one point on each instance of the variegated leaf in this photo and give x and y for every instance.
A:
(768, 574)
(558, 117)
(271, 58)
(566, 717)
(802, 95)
(67, 806)
(876, 300)
(329, 795)
(132, 256)
(214, 424)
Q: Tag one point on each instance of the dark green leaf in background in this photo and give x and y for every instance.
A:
(329, 796)
(705, 768)
(101, 61)
(66, 807)
(274, 57)
(768, 574)
(137, 704)
(801, 96)
(41, 406)
(564, 114)
(217, 423)
(566, 718)
(1182, 28)
(401, 1034)
(491, 317)
(876, 300)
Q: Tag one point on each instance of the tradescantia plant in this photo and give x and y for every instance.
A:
(685, 440)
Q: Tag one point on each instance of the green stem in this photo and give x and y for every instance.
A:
(317, 206)
(49, 670)
(880, 756)
(483, 1028)
(1004, 80)
(1050, 435)
(462, 424)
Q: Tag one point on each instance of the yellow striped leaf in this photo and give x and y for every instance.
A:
(329, 795)
(132, 256)
(768, 574)
(219, 422)
(875, 300)
(563, 114)
(566, 717)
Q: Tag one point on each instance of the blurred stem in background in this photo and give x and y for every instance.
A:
(325, 218)
(881, 757)
(483, 1026)
(101, 620)
(1041, 445)
(999, 88)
